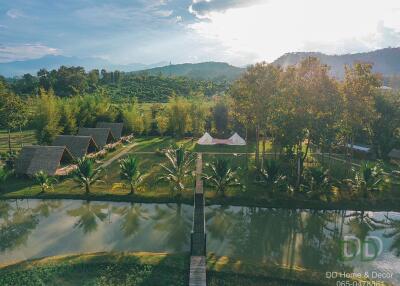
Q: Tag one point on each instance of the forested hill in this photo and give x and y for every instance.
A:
(216, 71)
(120, 86)
(386, 61)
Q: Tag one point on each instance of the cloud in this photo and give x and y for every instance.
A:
(10, 53)
(382, 37)
(268, 30)
(201, 8)
(14, 14)
(163, 13)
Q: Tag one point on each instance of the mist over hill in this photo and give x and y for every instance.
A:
(385, 61)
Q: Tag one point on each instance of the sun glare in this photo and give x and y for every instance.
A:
(271, 29)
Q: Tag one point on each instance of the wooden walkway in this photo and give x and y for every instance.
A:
(197, 275)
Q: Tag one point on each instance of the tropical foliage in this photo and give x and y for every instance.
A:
(44, 181)
(221, 176)
(178, 168)
(86, 174)
(367, 179)
(130, 172)
(4, 174)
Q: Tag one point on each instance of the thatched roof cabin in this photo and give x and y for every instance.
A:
(79, 146)
(48, 159)
(102, 136)
(116, 128)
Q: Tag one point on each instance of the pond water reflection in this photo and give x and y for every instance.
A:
(306, 238)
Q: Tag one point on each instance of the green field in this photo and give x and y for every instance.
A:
(145, 269)
(26, 137)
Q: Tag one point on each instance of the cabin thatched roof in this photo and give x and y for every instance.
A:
(116, 128)
(394, 154)
(102, 136)
(48, 159)
(79, 146)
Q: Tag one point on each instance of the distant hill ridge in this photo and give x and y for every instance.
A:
(385, 61)
(50, 62)
(206, 70)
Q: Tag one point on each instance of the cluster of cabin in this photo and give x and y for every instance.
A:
(58, 159)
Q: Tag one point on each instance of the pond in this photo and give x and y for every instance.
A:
(306, 238)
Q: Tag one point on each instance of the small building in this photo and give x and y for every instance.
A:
(79, 146)
(206, 139)
(116, 128)
(102, 136)
(394, 156)
(49, 159)
(234, 140)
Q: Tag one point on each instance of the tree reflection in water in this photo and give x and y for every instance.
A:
(361, 223)
(173, 221)
(88, 215)
(219, 221)
(18, 222)
(131, 218)
(393, 227)
(310, 239)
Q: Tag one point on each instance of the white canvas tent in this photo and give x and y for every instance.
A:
(206, 139)
(235, 139)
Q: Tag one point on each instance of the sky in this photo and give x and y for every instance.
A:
(234, 31)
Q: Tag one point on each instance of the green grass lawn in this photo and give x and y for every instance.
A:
(27, 137)
(147, 150)
(151, 269)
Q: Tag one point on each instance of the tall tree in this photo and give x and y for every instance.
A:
(358, 90)
(220, 114)
(13, 114)
(178, 109)
(47, 117)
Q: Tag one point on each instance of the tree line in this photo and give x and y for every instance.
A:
(303, 105)
(72, 81)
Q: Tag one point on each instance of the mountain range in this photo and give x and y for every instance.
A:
(49, 62)
(386, 61)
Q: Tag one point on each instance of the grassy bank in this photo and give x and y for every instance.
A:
(147, 150)
(144, 269)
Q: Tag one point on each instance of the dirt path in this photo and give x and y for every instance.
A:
(119, 155)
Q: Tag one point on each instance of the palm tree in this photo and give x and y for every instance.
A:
(44, 181)
(318, 183)
(130, 172)
(86, 174)
(369, 178)
(177, 169)
(221, 176)
(272, 176)
(3, 176)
